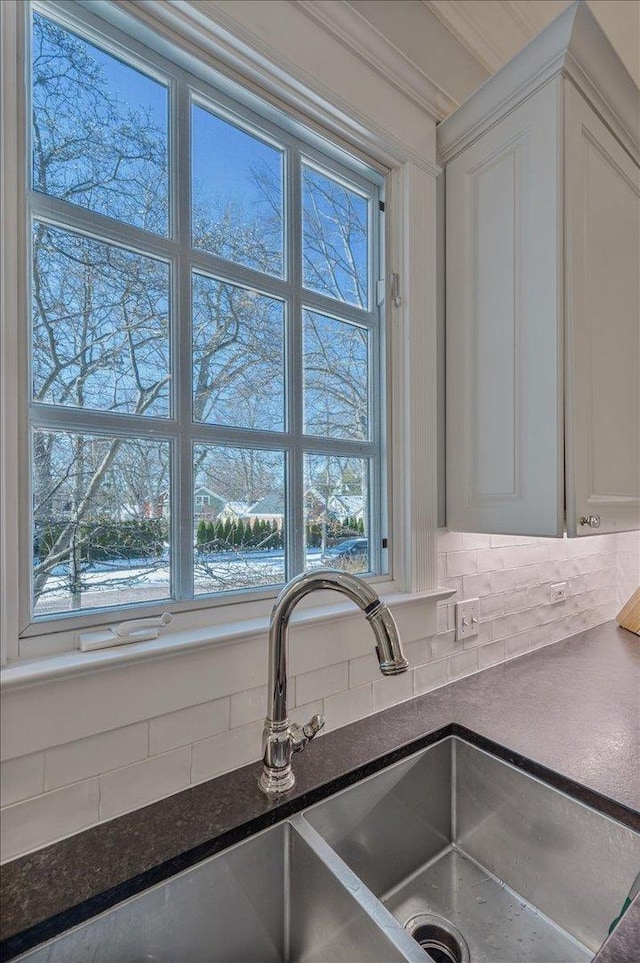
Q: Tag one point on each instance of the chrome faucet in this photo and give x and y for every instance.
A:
(280, 738)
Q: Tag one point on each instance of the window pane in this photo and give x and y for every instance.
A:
(336, 378)
(239, 514)
(237, 194)
(100, 134)
(335, 228)
(336, 506)
(100, 521)
(238, 356)
(100, 316)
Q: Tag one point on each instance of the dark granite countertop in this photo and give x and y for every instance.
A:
(623, 946)
(569, 712)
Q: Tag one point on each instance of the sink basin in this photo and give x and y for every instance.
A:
(451, 851)
(521, 870)
(269, 899)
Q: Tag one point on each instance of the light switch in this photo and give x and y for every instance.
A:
(467, 615)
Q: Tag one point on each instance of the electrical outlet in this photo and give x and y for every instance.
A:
(558, 592)
(467, 614)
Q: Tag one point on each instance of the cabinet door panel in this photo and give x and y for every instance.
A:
(602, 196)
(504, 360)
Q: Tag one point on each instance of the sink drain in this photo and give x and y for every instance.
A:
(440, 938)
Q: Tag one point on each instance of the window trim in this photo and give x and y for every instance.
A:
(412, 326)
(175, 249)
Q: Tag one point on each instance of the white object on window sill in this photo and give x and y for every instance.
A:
(135, 630)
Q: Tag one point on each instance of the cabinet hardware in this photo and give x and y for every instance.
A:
(593, 521)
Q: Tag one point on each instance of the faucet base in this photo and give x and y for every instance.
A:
(275, 782)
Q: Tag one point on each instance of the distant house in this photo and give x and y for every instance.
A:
(267, 509)
(346, 506)
(207, 504)
(234, 511)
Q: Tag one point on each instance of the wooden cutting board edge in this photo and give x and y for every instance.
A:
(629, 615)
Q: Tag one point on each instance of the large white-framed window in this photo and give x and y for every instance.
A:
(349, 115)
(206, 352)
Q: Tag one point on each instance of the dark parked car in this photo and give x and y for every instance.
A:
(351, 549)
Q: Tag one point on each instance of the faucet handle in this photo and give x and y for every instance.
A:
(314, 725)
(302, 735)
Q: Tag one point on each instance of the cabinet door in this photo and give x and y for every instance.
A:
(602, 198)
(504, 332)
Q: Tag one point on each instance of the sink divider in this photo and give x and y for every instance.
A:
(369, 903)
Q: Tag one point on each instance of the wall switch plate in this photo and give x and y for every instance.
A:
(467, 615)
(558, 592)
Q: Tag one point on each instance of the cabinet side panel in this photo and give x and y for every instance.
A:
(504, 347)
(603, 318)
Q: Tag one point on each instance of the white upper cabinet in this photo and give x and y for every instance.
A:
(602, 309)
(543, 292)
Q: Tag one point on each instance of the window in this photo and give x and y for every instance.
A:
(206, 343)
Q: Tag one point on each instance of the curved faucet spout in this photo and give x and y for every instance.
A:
(280, 738)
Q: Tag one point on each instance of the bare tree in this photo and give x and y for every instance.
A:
(100, 313)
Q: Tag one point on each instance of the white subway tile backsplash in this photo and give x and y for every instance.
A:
(461, 563)
(322, 682)
(505, 626)
(503, 541)
(345, 707)
(229, 750)
(419, 652)
(144, 782)
(317, 646)
(471, 540)
(475, 586)
(449, 541)
(388, 691)
(43, 819)
(21, 778)
(490, 559)
(443, 617)
(94, 755)
(445, 644)
(363, 670)
(516, 645)
(211, 719)
(188, 725)
(414, 622)
(492, 605)
(248, 706)
(430, 676)
(463, 663)
(491, 654)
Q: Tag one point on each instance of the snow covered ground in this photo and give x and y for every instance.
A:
(127, 581)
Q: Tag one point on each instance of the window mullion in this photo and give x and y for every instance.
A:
(182, 509)
(295, 469)
(377, 519)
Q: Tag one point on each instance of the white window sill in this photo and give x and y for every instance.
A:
(70, 664)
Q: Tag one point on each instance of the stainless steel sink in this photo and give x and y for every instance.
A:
(523, 871)
(452, 851)
(268, 899)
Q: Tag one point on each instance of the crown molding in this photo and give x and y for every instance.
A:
(476, 32)
(355, 33)
(208, 31)
(573, 45)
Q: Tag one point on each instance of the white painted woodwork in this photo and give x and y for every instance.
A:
(602, 205)
(504, 390)
(543, 303)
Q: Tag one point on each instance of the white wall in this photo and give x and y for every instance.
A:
(150, 739)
